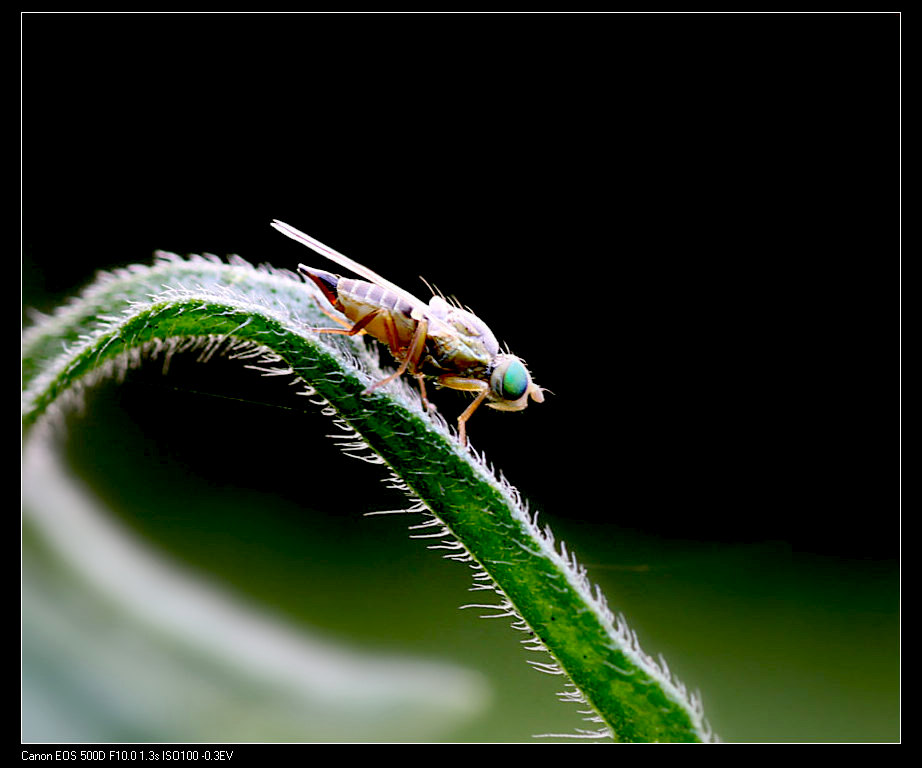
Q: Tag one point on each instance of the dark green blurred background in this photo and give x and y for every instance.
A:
(686, 224)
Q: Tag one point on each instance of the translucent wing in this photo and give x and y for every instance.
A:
(358, 269)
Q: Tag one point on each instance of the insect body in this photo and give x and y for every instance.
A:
(437, 340)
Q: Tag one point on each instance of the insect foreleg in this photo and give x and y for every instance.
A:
(471, 385)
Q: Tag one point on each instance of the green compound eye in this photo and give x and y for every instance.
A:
(510, 380)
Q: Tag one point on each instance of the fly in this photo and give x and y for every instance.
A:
(438, 340)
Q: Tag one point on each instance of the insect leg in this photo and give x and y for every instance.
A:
(462, 419)
(414, 351)
(472, 385)
(421, 380)
(335, 318)
(413, 354)
(354, 329)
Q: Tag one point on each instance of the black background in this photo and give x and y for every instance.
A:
(687, 224)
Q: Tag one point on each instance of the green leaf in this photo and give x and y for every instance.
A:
(263, 317)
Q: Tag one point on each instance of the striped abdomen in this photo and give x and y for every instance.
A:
(393, 325)
(356, 299)
(359, 293)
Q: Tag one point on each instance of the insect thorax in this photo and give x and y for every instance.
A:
(467, 346)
